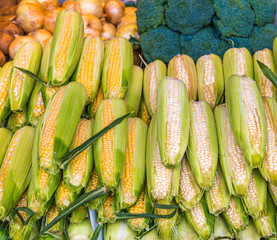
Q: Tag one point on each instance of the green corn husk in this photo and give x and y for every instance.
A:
(249, 233)
(173, 120)
(133, 175)
(4, 81)
(88, 70)
(268, 169)
(237, 61)
(202, 149)
(81, 231)
(218, 197)
(189, 191)
(35, 106)
(255, 199)
(17, 120)
(247, 117)
(235, 217)
(265, 86)
(79, 215)
(134, 92)
(117, 65)
(109, 165)
(107, 210)
(153, 73)
(15, 169)
(20, 85)
(51, 237)
(4, 232)
(92, 107)
(273, 192)
(6, 137)
(66, 47)
(235, 169)
(210, 80)
(162, 182)
(185, 231)
(61, 119)
(221, 230)
(119, 230)
(143, 112)
(77, 173)
(152, 235)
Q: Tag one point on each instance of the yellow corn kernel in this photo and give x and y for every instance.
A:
(39, 106)
(63, 196)
(23, 203)
(43, 178)
(4, 80)
(99, 97)
(49, 91)
(93, 181)
(139, 207)
(144, 114)
(234, 215)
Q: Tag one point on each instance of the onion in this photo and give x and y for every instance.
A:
(93, 7)
(92, 24)
(127, 31)
(130, 10)
(2, 58)
(49, 4)
(50, 19)
(31, 1)
(41, 35)
(126, 20)
(29, 16)
(108, 30)
(17, 43)
(69, 4)
(114, 10)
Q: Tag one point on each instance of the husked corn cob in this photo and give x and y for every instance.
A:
(189, 191)
(119, 230)
(184, 230)
(79, 215)
(182, 67)
(59, 124)
(77, 173)
(17, 120)
(92, 107)
(173, 120)
(153, 73)
(273, 192)
(201, 220)
(235, 169)
(218, 197)
(66, 47)
(247, 117)
(15, 169)
(58, 228)
(88, 70)
(237, 61)
(20, 85)
(269, 166)
(143, 112)
(210, 81)
(109, 150)
(107, 210)
(202, 148)
(162, 182)
(4, 82)
(133, 175)
(250, 232)
(134, 93)
(265, 86)
(5, 136)
(80, 231)
(117, 69)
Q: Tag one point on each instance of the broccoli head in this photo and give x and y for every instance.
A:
(188, 16)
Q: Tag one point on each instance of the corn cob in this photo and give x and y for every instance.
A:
(189, 191)
(273, 192)
(247, 117)
(109, 150)
(220, 229)
(117, 69)
(265, 86)
(4, 81)
(80, 231)
(5, 136)
(66, 47)
(48, 92)
(162, 182)
(77, 173)
(182, 67)
(184, 230)
(237, 61)
(173, 120)
(59, 124)
(143, 112)
(119, 230)
(79, 215)
(210, 79)
(17, 120)
(36, 106)
(201, 220)
(202, 148)
(153, 73)
(58, 228)
(88, 70)
(235, 169)
(218, 197)
(249, 233)
(15, 170)
(92, 107)
(134, 93)
(107, 210)
(20, 85)
(235, 217)
(269, 166)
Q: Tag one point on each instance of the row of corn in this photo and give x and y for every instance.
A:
(214, 158)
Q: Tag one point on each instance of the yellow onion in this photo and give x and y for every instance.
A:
(29, 16)
(49, 4)
(127, 20)
(17, 43)
(2, 58)
(93, 7)
(92, 24)
(114, 10)
(31, 1)
(41, 35)
(50, 19)
(130, 10)
(69, 4)
(108, 30)
(127, 31)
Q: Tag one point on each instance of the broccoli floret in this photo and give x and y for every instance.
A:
(203, 42)
(234, 17)
(188, 16)
(239, 43)
(160, 43)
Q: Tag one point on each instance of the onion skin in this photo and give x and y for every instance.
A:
(68, 4)
(42, 36)
(5, 42)
(108, 30)
(2, 58)
(5, 11)
(93, 25)
(93, 7)
(17, 43)
(49, 4)
(114, 10)
(130, 11)
(7, 3)
(10, 28)
(50, 19)
(127, 31)
(127, 20)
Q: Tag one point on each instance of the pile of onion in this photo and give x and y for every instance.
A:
(92, 24)
(50, 19)
(115, 10)
(17, 43)
(108, 30)
(93, 7)
(41, 35)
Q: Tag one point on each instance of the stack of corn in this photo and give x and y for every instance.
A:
(185, 144)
